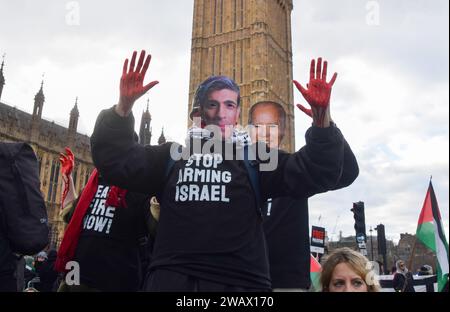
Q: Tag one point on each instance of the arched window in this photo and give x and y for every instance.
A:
(86, 177)
(75, 175)
(39, 159)
(53, 183)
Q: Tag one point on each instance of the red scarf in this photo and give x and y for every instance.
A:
(70, 241)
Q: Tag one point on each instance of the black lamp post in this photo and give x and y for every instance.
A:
(371, 242)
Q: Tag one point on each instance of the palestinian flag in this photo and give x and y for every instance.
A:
(431, 233)
(315, 274)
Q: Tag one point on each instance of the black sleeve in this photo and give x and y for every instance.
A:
(351, 170)
(121, 160)
(316, 168)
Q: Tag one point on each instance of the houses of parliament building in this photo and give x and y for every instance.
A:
(48, 140)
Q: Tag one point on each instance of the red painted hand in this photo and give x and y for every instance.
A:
(307, 111)
(132, 82)
(318, 92)
(67, 162)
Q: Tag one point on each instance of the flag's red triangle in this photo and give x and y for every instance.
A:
(426, 215)
(315, 265)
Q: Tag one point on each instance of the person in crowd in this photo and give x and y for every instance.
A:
(286, 218)
(29, 271)
(403, 279)
(45, 270)
(210, 234)
(345, 270)
(107, 226)
(23, 219)
(425, 270)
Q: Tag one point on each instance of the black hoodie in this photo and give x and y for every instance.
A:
(286, 220)
(47, 273)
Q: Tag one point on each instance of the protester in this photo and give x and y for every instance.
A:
(286, 218)
(345, 270)
(45, 270)
(403, 280)
(425, 270)
(104, 235)
(29, 271)
(210, 235)
(23, 226)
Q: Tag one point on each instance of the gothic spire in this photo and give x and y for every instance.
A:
(2, 77)
(39, 100)
(162, 138)
(73, 121)
(145, 132)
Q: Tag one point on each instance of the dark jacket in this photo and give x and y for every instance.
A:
(47, 274)
(287, 221)
(212, 229)
(286, 228)
(8, 260)
(402, 283)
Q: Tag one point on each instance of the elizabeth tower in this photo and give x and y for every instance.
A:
(249, 41)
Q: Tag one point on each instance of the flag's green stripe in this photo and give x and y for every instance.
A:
(425, 233)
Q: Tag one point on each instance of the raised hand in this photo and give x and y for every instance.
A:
(307, 111)
(67, 162)
(132, 83)
(68, 192)
(318, 93)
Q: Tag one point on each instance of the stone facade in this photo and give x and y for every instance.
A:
(401, 251)
(422, 255)
(48, 140)
(350, 242)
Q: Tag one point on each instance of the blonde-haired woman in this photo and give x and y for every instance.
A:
(346, 270)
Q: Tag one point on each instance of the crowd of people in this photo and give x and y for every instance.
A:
(226, 212)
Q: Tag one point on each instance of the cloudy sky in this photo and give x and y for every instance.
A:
(390, 99)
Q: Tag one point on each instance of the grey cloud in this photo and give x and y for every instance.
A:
(412, 35)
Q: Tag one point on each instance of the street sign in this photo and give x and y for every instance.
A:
(318, 239)
(360, 238)
(319, 250)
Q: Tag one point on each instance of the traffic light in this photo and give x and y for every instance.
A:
(381, 239)
(358, 214)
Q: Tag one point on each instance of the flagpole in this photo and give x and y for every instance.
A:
(411, 257)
